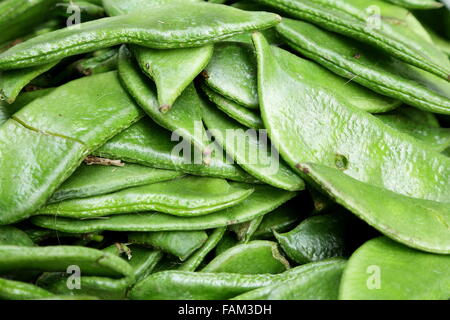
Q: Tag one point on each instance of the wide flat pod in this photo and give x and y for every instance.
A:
(173, 26)
(186, 196)
(244, 231)
(198, 256)
(279, 220)
(251, 150)
(148, 144)
(255, 257)
(232, 73)
(410, 120)
(172, 70)
(245, 116)
(120, 7)
(206, 285)
(43, 143)
(318, 125)
(94, 180)
(17, 290)
(142, 262)
(318, 281)
(383, 25)
(263, 200)
(178, 243)
(7, 110)
(316, 238)
(184, 117)
(12, 236)
(13, 81)
(17, 17)
(418, 223)
(382, 269)
(368, 66)
(417, 4)
(59, 258)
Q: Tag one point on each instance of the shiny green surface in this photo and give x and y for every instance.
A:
(178, 243)
(186, 285)
(368, 66)
(251, 150)
(245, 116)
(263, 200)
(11, 236)
(172, 70)
(95, 180)
(185, 196)
(59, 258)
(194, 261)
(205, 23)
(382, 269)
(148, 144)
(18, 16)
(58, 137)
(339, 135)
(13, 81)
(396, 34)
(318, 281)
(255, 257)
(418, 223)
(417, 4)
(232, 73)
(316, 238)
(184, 117)
(16, 290)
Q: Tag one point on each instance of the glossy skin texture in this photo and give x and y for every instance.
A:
(317, 281)
(417, 4)
(184, 117)
(247, 117)
(17, 16)
(178, 30)
(279, 220)
(411, 121)
(12, 82)
(350, 18)
(368, 66)
(186, 196)
(198, 256)
(251, 150)
(244, 231)
(398, 273)
(11, 236)
(58, 258)
(142, 261)
(172, 70)
(94, 180)
(59, 141)
(339, 135)
(315, 239)
(119, 7)
(232, 73)
(263, 200)
(178, 243)
(256, 257)
(150, 145)
(428, 221)
(214, 286)
(16, 290)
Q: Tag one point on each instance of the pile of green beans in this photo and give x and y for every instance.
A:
(252, 149)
